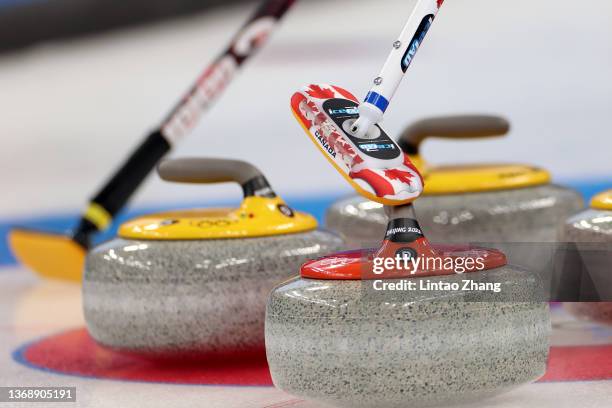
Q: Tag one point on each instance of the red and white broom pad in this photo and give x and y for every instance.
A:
(375, 166)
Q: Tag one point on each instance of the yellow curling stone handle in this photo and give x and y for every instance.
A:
(602, 201)
(261, 212)
(455, 179)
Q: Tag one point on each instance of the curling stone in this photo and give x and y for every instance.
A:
(591, 233)
(195, 282)
(336, 335)
(349, 334)
(492, 204)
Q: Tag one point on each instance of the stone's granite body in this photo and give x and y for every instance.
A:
(190, 298)
(529, 215)
(589, 226)
(335, 342)
(591, 231)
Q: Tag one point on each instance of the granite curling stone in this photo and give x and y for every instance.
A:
(194, 283)
(497, 205)
(332, 336)
(591, 233)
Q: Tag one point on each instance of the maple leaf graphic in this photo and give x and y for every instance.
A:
(321, 93)
(380, 186)
(403, 176)
(357, 160)
(345, 93)
(412, 167)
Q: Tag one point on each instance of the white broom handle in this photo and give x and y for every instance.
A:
(404, 49)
